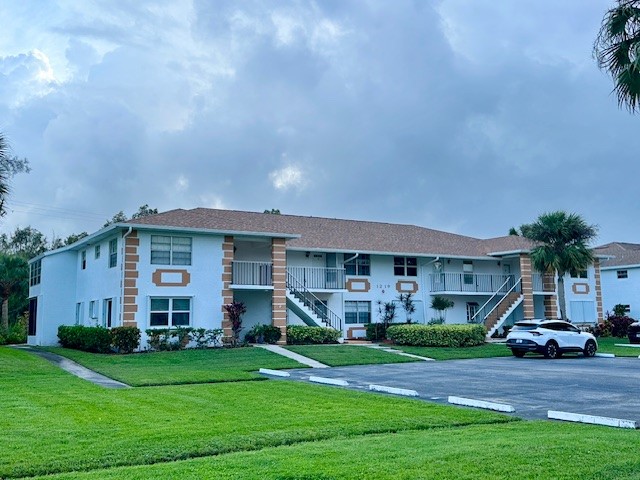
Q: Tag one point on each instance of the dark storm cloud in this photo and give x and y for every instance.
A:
(466, 116)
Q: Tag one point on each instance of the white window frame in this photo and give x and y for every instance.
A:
(93, 309)
(96, 252)
(113, 253)
(83, 260)
(361, 307)
(404, 266)
(79, 313)
(467, 272)
(170, 312)
(472, 309)
(583, 274)
(35, 273)
(173, 250)
(361, 265)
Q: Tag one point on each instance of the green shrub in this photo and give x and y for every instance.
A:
(163, 339)
(263, 334)
(207, 338)
(437, 335)
(88, 339)
(376, 332)
(125, 339)
(16, 333)
(301, 335)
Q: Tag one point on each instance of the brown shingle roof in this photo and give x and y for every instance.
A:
(623, 253)
(318, 233)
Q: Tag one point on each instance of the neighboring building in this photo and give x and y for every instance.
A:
(181, 267)
(621, 276)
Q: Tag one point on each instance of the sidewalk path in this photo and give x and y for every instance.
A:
(294, 356)
(74, 368)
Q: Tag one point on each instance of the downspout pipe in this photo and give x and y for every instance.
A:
(352, 258)
(123, 251)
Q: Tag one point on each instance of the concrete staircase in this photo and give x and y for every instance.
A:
(501, 312)
(306, 314)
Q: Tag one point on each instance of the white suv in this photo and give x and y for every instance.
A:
(551, 338)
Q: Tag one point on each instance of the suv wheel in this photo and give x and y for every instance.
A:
(590, 349)
(551, 350)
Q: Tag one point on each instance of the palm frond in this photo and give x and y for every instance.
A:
(617, 51)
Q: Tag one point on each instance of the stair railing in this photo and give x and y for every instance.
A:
(493, 297)
(309, 300)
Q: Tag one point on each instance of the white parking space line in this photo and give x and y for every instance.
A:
(605, 355)
(470, 402)
(593, 419)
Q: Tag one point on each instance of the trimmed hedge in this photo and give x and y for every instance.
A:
(263, 334)
(376, 332)
(89, 339)
(301, 335)
(438, 335)
(99, 339)
(125, 339)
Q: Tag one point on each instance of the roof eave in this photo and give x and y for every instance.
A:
(238, 233)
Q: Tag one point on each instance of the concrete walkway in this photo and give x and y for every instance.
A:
(396, 352)
(292, 355)
(75, 368)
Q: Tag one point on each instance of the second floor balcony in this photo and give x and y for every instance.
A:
(313, 278)
(471, 283)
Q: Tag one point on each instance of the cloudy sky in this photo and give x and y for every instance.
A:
(468, 116)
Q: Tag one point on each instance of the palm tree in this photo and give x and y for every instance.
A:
(14, 272)
(617, 51)
(4, 175)
(562, 249)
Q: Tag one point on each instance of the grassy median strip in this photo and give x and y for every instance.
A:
(532, 450)
(607, 345)
(53, 422)
(182, 367)
(452, 353)
(343, 355)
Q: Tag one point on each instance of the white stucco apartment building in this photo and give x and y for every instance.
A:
(179, 268)
(621, 276)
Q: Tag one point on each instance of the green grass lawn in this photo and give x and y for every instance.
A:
(341, 355)
(607, 345)
(187, 366)
(447, 353)
(523, 450)
(53, 422)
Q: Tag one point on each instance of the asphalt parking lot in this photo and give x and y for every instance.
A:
(607, 387)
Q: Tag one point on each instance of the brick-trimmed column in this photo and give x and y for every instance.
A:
(599, 309)
(227, 277)
(279, 273)
(550, 301)
(527, 286)
(130, 266)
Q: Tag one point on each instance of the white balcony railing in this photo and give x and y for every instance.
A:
(259, 273)
(471, 282)
(251, 273)
(319, 277)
